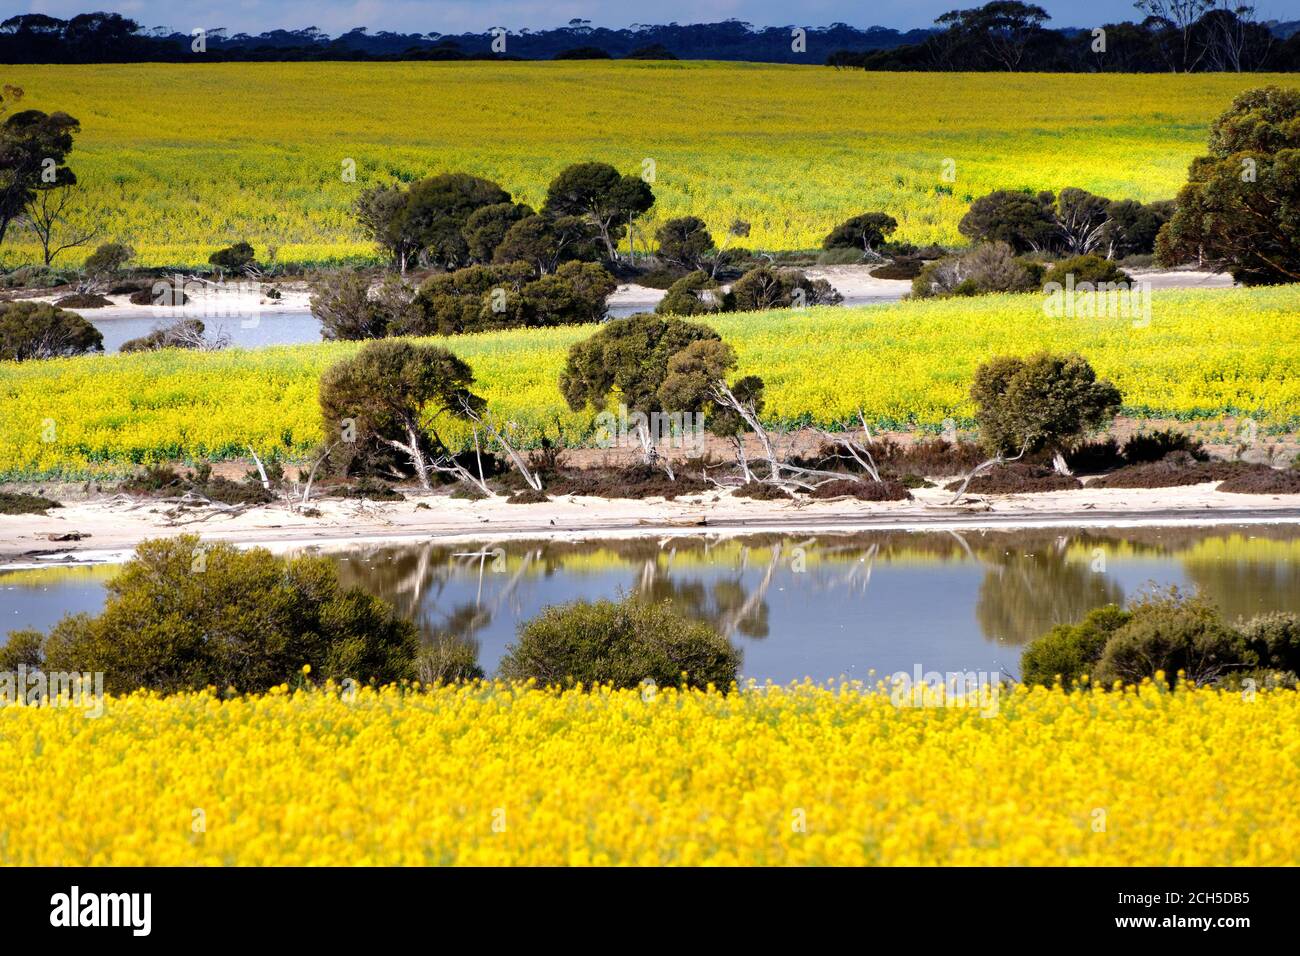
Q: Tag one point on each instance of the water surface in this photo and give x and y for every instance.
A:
(820, 606)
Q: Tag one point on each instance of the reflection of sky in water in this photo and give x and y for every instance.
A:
(888, 602)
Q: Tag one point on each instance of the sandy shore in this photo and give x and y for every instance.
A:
(105, 528)
(855, 283)
(204, 303)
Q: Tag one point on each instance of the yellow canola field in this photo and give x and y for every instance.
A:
(1206, 354)
(181, 159)
(484, 774)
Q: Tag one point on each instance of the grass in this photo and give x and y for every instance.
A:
(256, 150)
(1207, 354)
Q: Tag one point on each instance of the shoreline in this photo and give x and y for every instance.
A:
(109, 529)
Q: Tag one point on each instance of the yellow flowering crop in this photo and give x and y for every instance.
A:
(259, 150)
(491, 774)
(1206, 354)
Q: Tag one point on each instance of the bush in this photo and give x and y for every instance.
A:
(108, 258)
(185, 614)
(1091, 269)
(160, 293)
(34, 330)
(232, 258)
(693, 294)
(528, 496)
(1272, 641)
(346, 310)
(1018, 478)
(884, 490)
(1043, 402)
(761, 491)
(684, 241)
(764, 287)
(985, 269)
(82, 300)
(1171, 633)
(447, 661)
(863, 232)
(1177, 470)
(1262, 481)
(1070, 651)
(623, 644)
(22, 649)
(1024, 222)
(17, 503)
(1147, 447)
(181, 334)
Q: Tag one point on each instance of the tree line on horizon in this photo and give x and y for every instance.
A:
(1005, 35)
(1173, 36)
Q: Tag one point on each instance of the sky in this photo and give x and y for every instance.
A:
(460, 16)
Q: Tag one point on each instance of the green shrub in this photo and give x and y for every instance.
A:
(1071, 651)
(1171, 633)
(987, 268)
(36, 330)
(693, 294)
(186, 614)
(1089, 268)
(17, 503)
(764, 287)
(624, 644)
(22, 649)
(1272, 641)
(447, 661)
(233, 257)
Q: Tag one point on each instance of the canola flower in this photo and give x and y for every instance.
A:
(1206, 354)
(802, 774)
(792, 149)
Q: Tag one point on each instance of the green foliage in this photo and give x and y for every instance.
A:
(1132, 227)
(1024, 222)
(342, 302)
(17, 503)
(436, 211)
(22, 649)
(1272, 641)
(693, 294)
(989, 267)
(765, 287)
(1172, 634)
(1087, 268)
(575, 294)
(108, 258)
(684, 241)
(35, 330)
(1241, 204)
(863, 232)
(33, 149)
(630, 355)
(692, 374)
(187, 614)
(1071, 651)
(447, 661)
(545, 242)
(601, 195)
(183, 333)
(232, 258)
(1045, 401)
(625, 644)
(486, 228)
(388, 396)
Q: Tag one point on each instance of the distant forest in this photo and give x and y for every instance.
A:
(1172, 36)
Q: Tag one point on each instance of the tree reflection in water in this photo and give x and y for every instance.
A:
(1030, 580)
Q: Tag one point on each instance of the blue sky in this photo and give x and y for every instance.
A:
(457, 16)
